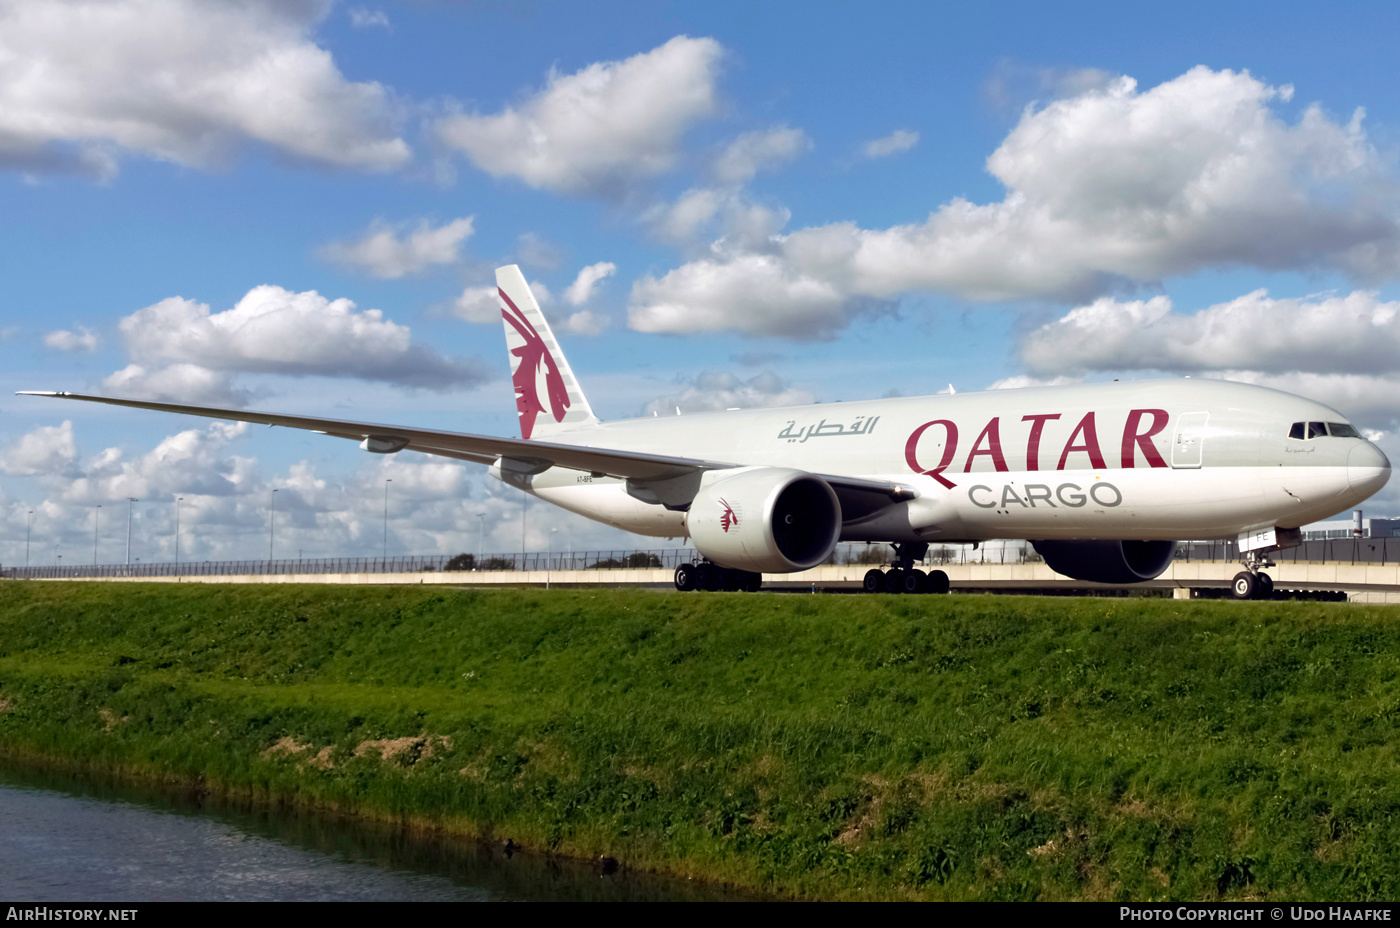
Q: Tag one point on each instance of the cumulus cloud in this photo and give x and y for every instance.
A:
(194, 461)
(1021, 381)
(189, 384)
(277, 331)
(583, 322)
(81, 341)
(87, 82)
(581, 290)
(757, 151)
(483, 304)
(48, 450)
(391, 251)
(225, 497)
(1109, 186)
(364, 18)
(1353, 334)
(596, 130)
(1372, 401)
(477, 304)
(752, 294)
(1343, 350)
(715, 390)
(725, 209)
(897, 141)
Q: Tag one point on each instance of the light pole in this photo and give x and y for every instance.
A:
(178, 501)
(271, 523)
(96, 514)
(480, 539)
(387, 481)
(28, 522)
(549, 555)
(129, 501)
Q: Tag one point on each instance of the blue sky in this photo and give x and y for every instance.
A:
(775, 202)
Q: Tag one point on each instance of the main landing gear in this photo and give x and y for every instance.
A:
(708, 576)
(1253, 583)
(904, 577)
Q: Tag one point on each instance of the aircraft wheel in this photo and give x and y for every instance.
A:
(704, 577)
(731, 580)
(753, 581)
(894, 581)
(685, 578)
(1245, 585)
(937, 582)
(915, 581)
(1266, 587)
(874, 581)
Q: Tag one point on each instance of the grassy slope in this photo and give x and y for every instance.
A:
(946, 747)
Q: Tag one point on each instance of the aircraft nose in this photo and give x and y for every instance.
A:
(1368, 469)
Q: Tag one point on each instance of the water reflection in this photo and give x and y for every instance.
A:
(69, 838)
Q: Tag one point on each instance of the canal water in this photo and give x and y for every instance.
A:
(67, 838)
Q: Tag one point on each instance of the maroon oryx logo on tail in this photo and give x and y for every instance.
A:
(727, 519)
(532, 354)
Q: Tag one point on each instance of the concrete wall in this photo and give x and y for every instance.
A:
(1366, 583)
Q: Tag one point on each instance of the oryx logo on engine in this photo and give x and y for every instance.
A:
(728, 518)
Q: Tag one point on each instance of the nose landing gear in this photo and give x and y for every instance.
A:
(1253, 583)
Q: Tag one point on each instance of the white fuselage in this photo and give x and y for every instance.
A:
(1148, 460)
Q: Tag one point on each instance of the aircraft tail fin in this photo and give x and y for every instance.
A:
(547, 394)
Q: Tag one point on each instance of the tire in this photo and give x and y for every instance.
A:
(704, 576)
(1266, 587)
(894, 581)
(685, 578)
(1245, 585)
(753, 581)
(874, 581)
(915, 581)
(937, 582)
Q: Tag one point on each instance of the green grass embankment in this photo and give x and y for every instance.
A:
(832, 746)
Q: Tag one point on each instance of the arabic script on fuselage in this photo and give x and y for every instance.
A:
(861, 426)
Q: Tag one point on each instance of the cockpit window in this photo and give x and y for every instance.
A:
(1303, 431)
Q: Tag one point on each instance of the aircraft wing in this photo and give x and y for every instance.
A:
(859, 496)
(482, 449)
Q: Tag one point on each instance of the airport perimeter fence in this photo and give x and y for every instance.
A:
(1340, 551)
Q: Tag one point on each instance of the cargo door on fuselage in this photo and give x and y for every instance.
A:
(1190, 439)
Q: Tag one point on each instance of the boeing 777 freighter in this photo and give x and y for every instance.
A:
(1103, 477)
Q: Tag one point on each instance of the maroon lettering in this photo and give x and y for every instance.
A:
(992, 435)
(1033, 445)
(1133, 439)
(949, 448)
(1091, 443)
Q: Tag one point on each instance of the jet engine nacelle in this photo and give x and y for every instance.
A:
(1107, 561)
(766, 519)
